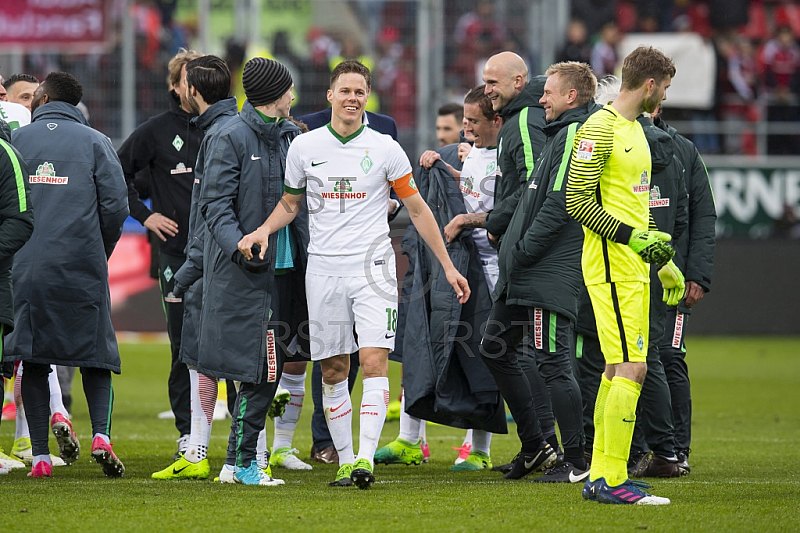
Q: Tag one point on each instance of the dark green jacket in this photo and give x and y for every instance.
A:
(540, 254)
(16, 219)
(519, 144)
(695, 248)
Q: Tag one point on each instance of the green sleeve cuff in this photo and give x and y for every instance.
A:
(294, 191)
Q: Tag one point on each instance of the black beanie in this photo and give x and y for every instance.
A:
(265, 80)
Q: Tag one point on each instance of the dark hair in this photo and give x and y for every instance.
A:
(210, 76)
(351, 66)
(644, 63)
(20, 77)
(452, 109)
(62, 87)
(478, 96)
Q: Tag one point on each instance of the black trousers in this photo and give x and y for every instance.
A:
(178, 383)
(36, 397)
(673, 355)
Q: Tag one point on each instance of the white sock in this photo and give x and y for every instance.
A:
(374, 402)
(203, 399)
(41, 458)
(285, 425)
(409, 425)
(481, 441)
(102, 436)
(261, 449)
(467, 438)
(21, 429)
(339, 414)
(56, 401)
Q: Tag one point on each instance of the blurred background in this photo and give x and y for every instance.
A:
(735, 95)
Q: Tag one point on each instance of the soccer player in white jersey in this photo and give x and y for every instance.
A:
(345, 171)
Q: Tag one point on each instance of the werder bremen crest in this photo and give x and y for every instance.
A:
(177, 142)
(366, 163)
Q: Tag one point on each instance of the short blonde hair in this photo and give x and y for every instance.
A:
(176, 64)
(575, 75)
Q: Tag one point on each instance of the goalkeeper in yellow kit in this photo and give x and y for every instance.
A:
(608, 193)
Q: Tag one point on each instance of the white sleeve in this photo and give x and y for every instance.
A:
(295, 175)
(397, 164)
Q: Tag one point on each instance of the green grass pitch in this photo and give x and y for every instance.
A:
(746, 447)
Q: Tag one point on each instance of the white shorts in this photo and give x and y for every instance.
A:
(337, 303)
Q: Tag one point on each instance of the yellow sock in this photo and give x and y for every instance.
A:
(620, 417)
(598, 465)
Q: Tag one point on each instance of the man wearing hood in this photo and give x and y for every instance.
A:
(61, 295)
(167, 145)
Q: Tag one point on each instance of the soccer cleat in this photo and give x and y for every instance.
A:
(362, 474)
(279, 403)
(589, 491)
(10, 462)
(343, 476)
(4, 469)
(629, 492)
(22, 450)
(68, 446)
(183, 445)
(683, 460)
(475, 461)
(400, 452)
(564, 472)
(426, 452)
(526, 462)
(393, 410)
(463, 452)
(42, 469)
(253, 475)
(226, 475)
(286, 458)
(183, 469)
(105, 456)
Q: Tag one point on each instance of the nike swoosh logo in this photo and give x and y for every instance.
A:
(368, 405)
(254, 158)
(626, 420)
(529, 464)
(334, 409)
(577, 479)
(314, 164)
(389, 336)
(628, 149)
(176, 471)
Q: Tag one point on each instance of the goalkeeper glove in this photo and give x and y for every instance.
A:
(652, 246)
(673, 282)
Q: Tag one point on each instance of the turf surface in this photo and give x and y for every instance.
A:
(746, 443)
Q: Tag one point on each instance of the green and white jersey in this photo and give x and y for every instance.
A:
(16, 115)
(478, 177)
(346, 181)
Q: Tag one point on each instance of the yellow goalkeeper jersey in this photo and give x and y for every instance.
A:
(608, 192)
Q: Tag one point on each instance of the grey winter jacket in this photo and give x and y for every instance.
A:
(61, 292)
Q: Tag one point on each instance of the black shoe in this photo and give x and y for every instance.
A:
(683, 460)
(564, 472)
(526, 462)
(506, 468)
(362, 474)
(638, 463)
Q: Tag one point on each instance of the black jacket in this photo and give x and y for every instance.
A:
(695, 248)
(166, 145)
(16, 219)
(519, 143)
(540, 254)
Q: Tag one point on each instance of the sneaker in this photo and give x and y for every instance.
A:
(400, 452)
(475, 461)
(22, 450)
(105, 456)
(362, 474)
(226, 475)
(286, 458)
(683, 460)
(10, 411)
(183, 445)
(426, 452)
(526, 462)
(279, 403)
(68, 446)
(393, 410)
(328, 456)
(10, 462)
(662, 467)
(42, 469)
(638, 462)
(343, 476)
(629, 492)
(589, 491)
(564, 472)
(463, 452)
(183, 469)
(253, 475)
